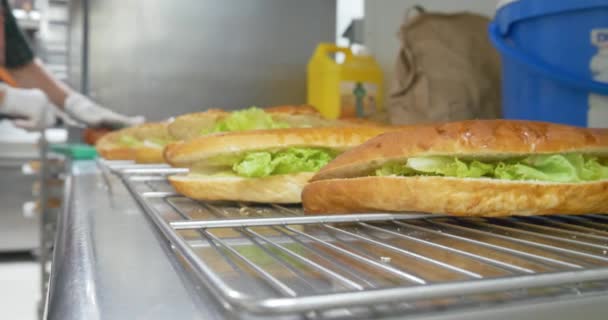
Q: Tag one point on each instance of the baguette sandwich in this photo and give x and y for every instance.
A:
(259, 166)
(194, 125)
(143, 143)
(469, 168)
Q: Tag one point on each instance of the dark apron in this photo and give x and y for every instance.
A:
(4, 75)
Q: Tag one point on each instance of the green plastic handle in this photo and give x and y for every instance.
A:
(76, 151)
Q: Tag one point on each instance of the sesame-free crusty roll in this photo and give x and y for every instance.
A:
(259, 166)
(469, 168)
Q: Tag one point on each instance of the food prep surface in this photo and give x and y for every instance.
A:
(109, 262)
(135, 248)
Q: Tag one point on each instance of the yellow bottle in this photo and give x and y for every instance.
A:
(344, 90)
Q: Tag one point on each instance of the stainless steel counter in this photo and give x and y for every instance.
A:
(110, 262)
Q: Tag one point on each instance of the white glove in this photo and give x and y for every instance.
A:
(32, 105)
(84, 110)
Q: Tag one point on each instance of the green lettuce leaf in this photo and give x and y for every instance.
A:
(300, 160)
(130, 141)
(478, 169)
(554, 168)
(249, 119)
(550, 168)
(292, 160)
(255, 164)
(450, 167)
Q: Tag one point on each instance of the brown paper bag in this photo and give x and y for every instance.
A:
(446, 70)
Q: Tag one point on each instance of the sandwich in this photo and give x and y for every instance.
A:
(469, 168)
(259, 166)
(194, 125)
(143, 143)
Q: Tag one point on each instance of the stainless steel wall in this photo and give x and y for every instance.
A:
(75, 44)
(161, 58)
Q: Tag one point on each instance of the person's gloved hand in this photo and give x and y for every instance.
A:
(88, 112)
(30, 105)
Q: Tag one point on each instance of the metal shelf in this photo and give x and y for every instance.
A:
(271, 259)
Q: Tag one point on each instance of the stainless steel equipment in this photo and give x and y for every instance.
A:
(162, 58)
(202, 260)
(50, 195)
(110, 263)
(19, 214)
(18, 231)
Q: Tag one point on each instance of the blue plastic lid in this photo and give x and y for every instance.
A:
(510, 12)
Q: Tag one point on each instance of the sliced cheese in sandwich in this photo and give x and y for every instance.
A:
(469, 168)
(259, 166)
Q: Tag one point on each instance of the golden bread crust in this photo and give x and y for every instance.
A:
(338, 138)
(365, 122)
(189, 126)
(285, 188)
(474, 138)
(149, 155)
(454, 196)
(110, 140)
(116, 153)
(291, 109)
(109, 146)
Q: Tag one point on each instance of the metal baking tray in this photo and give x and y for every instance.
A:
(271, 259)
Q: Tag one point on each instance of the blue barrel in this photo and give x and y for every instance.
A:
(554, 60)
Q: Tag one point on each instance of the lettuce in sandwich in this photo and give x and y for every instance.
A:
(252, 118)
(567, 168)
